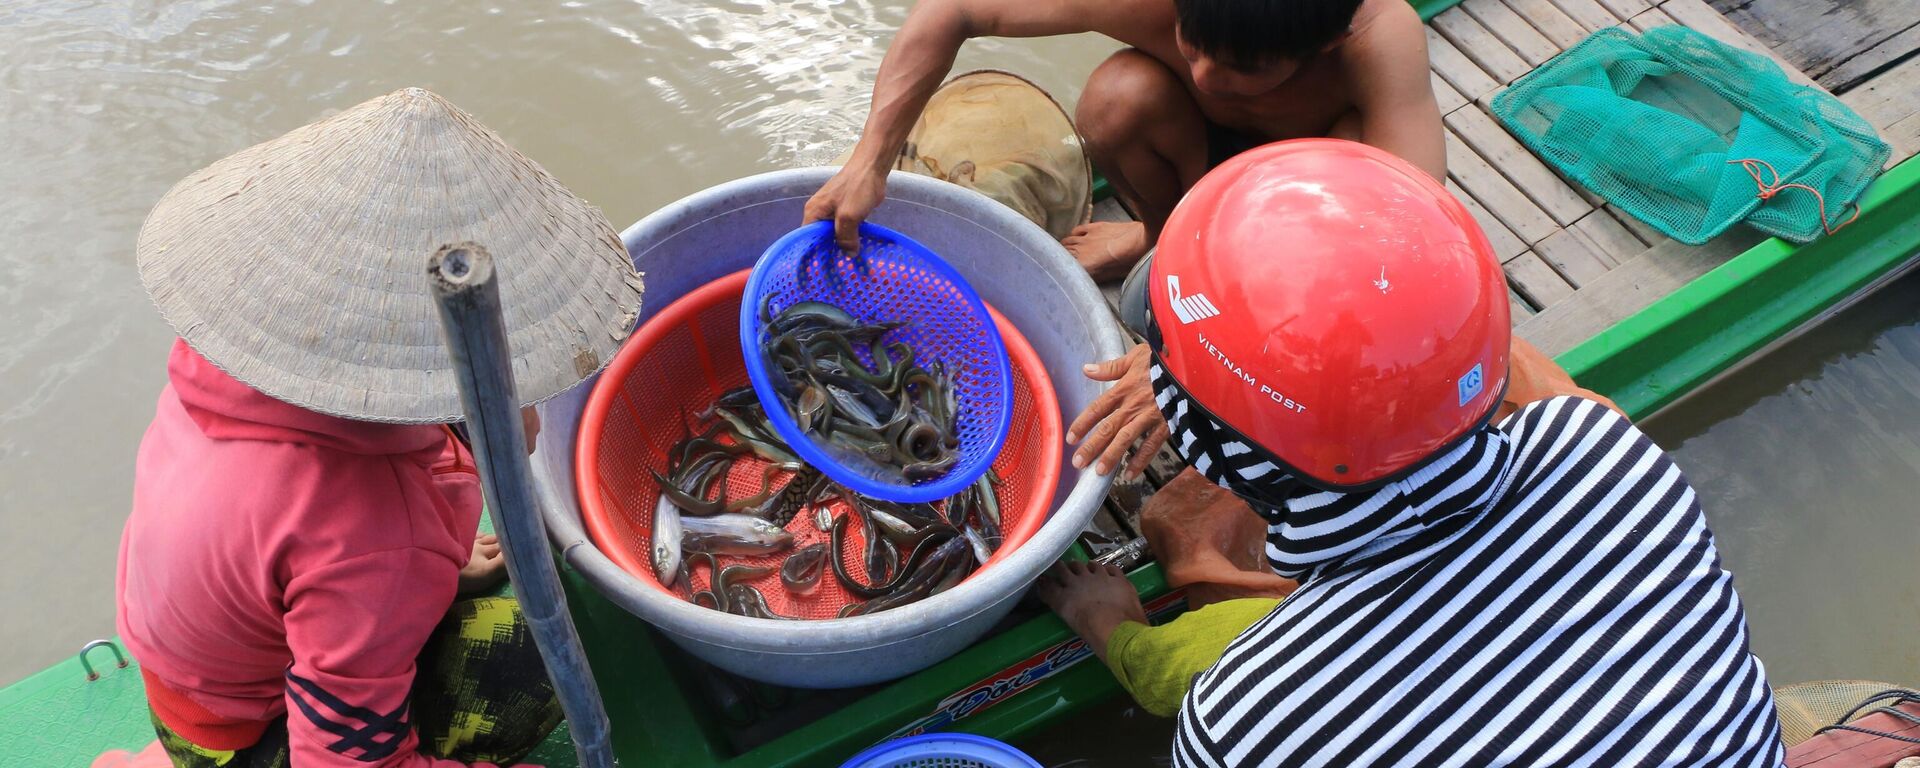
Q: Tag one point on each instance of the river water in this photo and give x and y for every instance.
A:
(107, 104)
(1807, 461)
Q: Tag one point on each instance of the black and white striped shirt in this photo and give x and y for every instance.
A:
(1543, 593)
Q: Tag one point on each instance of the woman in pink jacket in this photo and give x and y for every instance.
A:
(301, 576)
(285, 580)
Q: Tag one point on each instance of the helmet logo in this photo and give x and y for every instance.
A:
(1188, 308)
(1471, 384)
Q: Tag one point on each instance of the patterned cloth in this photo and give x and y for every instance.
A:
(1543, 593)
(480, 694)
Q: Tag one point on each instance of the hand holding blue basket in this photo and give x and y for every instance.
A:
(892, 279)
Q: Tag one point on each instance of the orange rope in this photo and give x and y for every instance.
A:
(1767, 191)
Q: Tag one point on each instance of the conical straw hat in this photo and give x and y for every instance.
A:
(299, 266)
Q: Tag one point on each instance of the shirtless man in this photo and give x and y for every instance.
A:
(1203, 80)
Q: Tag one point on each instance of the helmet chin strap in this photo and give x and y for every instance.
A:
(1238, 463)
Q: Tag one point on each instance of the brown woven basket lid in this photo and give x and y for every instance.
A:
(1000, 135)
(299, 265)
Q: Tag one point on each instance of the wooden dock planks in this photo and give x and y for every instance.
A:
(1627, 9)
(1891, 103)
(1628, 288)
(1557, 240)
(1516, 32)
(1647, 20)
(1588, 13)
(1704, 19)
(1480, 45)
(1536, 281)
(1553, 23)
(1500, 149)
(1467, 77)
(1573, 256)
(1505, 243)
(1839, 42)
(1858, 70)
(1611, 237)
(1444, 94)
(1506, 202)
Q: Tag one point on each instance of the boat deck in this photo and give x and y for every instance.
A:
(1576, 265)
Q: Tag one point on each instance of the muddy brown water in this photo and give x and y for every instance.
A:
(1807, 462)
(104, 105)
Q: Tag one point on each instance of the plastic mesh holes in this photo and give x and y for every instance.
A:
(946, 323)
(1657, 124)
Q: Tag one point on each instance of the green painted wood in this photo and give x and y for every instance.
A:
(57, 719)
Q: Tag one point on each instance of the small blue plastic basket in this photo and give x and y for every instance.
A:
(942, 750)
(900, 280)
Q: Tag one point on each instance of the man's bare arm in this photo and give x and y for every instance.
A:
(1387, 62)
(919, 59)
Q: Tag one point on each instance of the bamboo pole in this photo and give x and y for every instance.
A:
(468, 299)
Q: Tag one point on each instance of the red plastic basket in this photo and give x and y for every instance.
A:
(678, 363)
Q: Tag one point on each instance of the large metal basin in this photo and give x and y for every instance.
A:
(1013, 264)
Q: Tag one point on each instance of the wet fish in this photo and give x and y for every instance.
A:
(892, 524)
(666, 542)
(852, 388)
(688, 504)
(987, 498)
(750, 428)
(734, 534)
(982, 551)
(837, 559)
(928, 470)
(747, 601)
(802, 569)
(942, 568)
(780, 508)
(731, 576)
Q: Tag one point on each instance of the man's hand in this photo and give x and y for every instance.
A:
(1123, 415)
(485, 567)
(846, 199)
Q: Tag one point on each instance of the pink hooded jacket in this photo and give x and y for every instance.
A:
(279, 560)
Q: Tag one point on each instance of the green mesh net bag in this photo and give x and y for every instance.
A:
(1692, 135)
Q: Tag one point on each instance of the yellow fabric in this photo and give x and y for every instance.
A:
(1157, 664)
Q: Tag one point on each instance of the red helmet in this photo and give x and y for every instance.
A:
(1333, 304)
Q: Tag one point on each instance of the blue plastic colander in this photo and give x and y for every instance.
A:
(942, 750)
(900, 280)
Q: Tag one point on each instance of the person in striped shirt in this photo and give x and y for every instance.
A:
(1537, 591)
